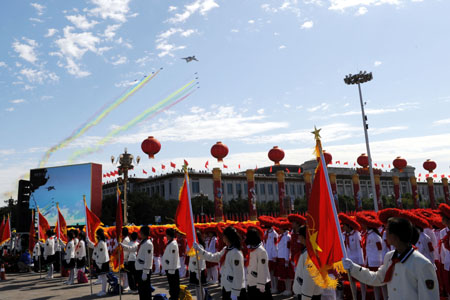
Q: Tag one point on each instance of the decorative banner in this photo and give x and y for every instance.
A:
(177, 96)
(431, 192)
(251, 194)
(281, 192)
(308, 179)
(218, 194)
(96, 118)
(357, 192)
(377, 190)
(446, 193)
(415, 196)
(397, 193)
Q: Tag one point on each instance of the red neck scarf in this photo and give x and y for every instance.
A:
(224, 256)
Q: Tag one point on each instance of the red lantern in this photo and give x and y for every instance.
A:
(276, 155)
(363, 161)
(327, 156)
(219, 151)
(151, 146)
(429, 165)
(400, 163)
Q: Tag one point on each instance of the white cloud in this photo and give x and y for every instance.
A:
(38, 76)
(36, 20)
(119, 60)
(342, 5)
(110, 31)
(292, 6)
(168, 33)
(322, 107)
(17, 101)
(307, 25)
(112, 9)
(282, 47)
(251, 21)
(51, 32)
(260, 111)
(125, 83)
(167, 49)
(3, 64)
(441, 122)
(379, 111)
(26, 50)
(267, 8)
(81, 22)
(201, 6)
(144, 60)
(188, 32)
(362, 11)
(377, 63)
(234, 30)
(172, 8)
(39, 8)
(73, 46)
(9, 109)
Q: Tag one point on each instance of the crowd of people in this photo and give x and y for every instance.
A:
(396, 253)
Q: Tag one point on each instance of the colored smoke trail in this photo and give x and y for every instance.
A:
(178, 96)
(95, 119)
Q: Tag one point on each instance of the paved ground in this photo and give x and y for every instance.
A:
(29, 286)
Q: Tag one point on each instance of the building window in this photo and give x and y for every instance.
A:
(170, 187)
(262, 189)
(238, 188)
(230, 188)
(163, 190)
(195, 187)
(270, 187)
(292, 189)
(245, 187)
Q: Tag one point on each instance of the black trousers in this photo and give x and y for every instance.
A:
(242, 296)
(174, 285)
(132, 275)
(143, 286)
(254, 293)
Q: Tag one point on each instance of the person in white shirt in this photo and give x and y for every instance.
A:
(231, 262)
(271, 245)
(130, 246)
(80, 253)
(49, 253)
(212, 269)
(144, 263)
(171, 263)
(36, 254)
(406, 272)
(69, 257)
(444, 235)
(194, 263)
(284, 267)
(352, 242)
(304, 286)
(101, 258)
(258, 275)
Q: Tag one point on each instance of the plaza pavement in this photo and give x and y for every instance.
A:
(27, 286)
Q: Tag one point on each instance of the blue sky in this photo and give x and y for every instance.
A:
(268, 71)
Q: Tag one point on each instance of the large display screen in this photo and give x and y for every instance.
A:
(66, 186)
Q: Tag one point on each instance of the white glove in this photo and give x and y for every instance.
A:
(144, 277)
(198, 247)
(234, 297)
(261, 288)
(347, 263)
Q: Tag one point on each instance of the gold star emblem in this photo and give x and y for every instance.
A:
(316, 133)
(313, 240)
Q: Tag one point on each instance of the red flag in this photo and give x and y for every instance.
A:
(270, 170)
(143, 171)
(173, 165)
(338, 162)
(354, 164)
(382, 165)
(107, 174)
(42, 226)
(239, 166)
(376, 165)
(299, 170)
(323, 235)
(346, 163)
(256, 168)
(119, 220)
(104, 175)
(206, 164)
(435, 175)
(442, 176)
(225, 166)
(427, 175)
(163, 167)
(420, 174)
(61, 226)
(31, 234)
(287, 170)
(6, 232)
(92, 224)
(186, 163)
(116, 172)
(2, 225)
(389, 166)
(183, 217)
(153, 170)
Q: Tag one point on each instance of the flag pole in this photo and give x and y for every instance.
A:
(333, 205)
(58, 241)
(87, 237)
(118, 236)
(199, 274)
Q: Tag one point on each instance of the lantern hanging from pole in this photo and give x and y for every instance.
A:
(429, 165)
(328, 157)
(400, 163)
(363, 161)
(151, 146)
(219, 151)
(276, 155)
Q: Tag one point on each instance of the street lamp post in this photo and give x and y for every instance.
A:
(359, 78)
(125, 161)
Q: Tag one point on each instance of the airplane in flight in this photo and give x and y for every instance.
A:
(190, 58)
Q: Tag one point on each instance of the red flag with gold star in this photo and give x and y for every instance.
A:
(323, 234)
